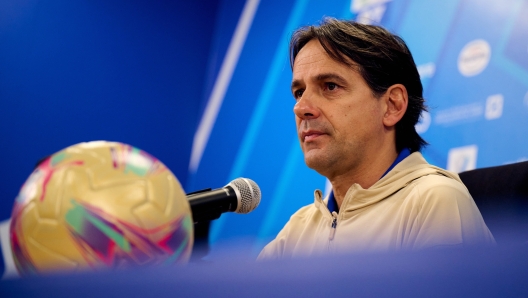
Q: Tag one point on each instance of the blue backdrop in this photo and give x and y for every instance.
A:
(74, 71)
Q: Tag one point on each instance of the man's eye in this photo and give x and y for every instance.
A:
(331, 86)
(298, 93)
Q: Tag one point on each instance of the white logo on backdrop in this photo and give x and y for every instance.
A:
(462, 159)
(474, 57)
(423, 123)
(426, 70)
(466, 113)
(360, 5)
(369, 11)
(494, 105)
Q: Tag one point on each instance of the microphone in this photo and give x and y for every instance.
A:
(241, 195)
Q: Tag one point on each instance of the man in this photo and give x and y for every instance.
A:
(358, 97)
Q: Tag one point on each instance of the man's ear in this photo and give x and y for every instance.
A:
(396, 99)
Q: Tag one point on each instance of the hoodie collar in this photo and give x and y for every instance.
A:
(332, 204)
(406, 171)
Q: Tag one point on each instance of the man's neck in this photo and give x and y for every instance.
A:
(366, 175)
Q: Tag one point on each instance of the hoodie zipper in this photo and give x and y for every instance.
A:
(334, 226)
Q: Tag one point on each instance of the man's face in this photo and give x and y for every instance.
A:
(339, 120)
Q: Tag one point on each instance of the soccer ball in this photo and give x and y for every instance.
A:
(100, 205)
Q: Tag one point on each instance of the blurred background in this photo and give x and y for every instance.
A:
(204, 87)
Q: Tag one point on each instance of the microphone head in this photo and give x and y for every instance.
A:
(248, 194)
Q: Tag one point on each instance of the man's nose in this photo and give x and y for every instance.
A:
(305, 108)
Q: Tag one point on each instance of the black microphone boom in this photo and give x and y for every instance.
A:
(241, 195)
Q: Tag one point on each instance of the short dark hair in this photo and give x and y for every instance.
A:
(382, 58)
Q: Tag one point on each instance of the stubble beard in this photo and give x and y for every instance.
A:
(333, 157)
(319, 157)
(323, 160)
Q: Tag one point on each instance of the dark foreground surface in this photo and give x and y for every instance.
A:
(497, 272)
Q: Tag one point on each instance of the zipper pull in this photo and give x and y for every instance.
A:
(334, 225)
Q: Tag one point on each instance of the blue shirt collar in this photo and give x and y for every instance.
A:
(332, 204)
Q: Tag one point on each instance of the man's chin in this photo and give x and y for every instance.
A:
(315, 162)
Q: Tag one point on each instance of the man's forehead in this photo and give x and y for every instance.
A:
(311, 53)
(313, 56)
(320, 68)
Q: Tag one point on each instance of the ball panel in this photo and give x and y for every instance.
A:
(53, 254)
(162, 191)
(49, 202)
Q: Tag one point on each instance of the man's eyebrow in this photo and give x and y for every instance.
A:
(330, 76)
(321, 77)
(295, 84)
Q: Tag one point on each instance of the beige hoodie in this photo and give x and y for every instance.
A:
(415, 206)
